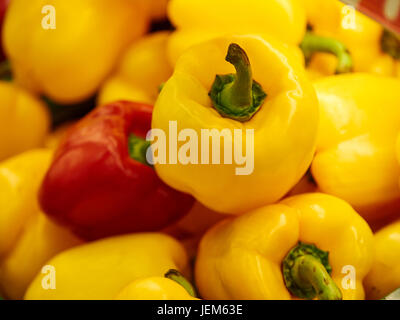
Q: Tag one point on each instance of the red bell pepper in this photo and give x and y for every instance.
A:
(99, 183)
(3, 9)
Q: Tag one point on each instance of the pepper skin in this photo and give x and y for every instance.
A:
(3, 9)
(24, 120)
(54, 138)
(356, 158)
(102, 269)
(243, 257)
(384, 276)
(69, 63)
(27, 237)
(98, 188)
(140, 73)
(201, 20)
(172, 287)
(283, 145)
(158, 9)
(359, 33)
(190, 229)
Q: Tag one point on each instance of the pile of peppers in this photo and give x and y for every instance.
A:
(106, 207)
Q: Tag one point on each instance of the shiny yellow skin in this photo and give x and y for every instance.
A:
(356, 158)
(69, 63)
(24, 120)
(384, 276)
(27, 237)
(283, 145)
(154, 288)
(101, 269)
(140, 73)
(201, 20)
(241, 257)
(359, 33)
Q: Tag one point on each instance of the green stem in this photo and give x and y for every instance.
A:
(138, 148)
(395, 295)
(237, 96)
(390, 44)
(306, 272)
(176, 276)
(238, 93)
(313, 43)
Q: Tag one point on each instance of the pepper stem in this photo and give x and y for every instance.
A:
(238, 93)
(176, 276)
(313, 43)
(306, 272)
(395, 295)
(237, 96)
(138, 148)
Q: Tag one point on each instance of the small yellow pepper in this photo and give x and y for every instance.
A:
(356, 158)
(384, 276)
(27, 238)
(274, 108)
(140, 73)
(307, 246)
(67, 51)
(101, 269)
(200, 20)
(172, 287)
(24, 120)
(373, 50)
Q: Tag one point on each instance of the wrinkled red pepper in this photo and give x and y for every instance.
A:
(99, 183)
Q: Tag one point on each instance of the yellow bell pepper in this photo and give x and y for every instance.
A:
(67, 51)
(275, 108)
(101, 269)
(27, 238)
(373, 50)
(200, 20)
(384, 276)
(24, 120)
(140, 73)
(356, 158)
(307, 246)
(172, 287)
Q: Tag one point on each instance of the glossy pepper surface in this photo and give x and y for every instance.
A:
(199, 20)
(99, 183)
(24, 120)
(173, 286)
(140, 73)
(373, 50)
(258, 255)
(384, 276)
(69, 62)
(356, 158)
(284, 101)
(27, 237)
(102, 269)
